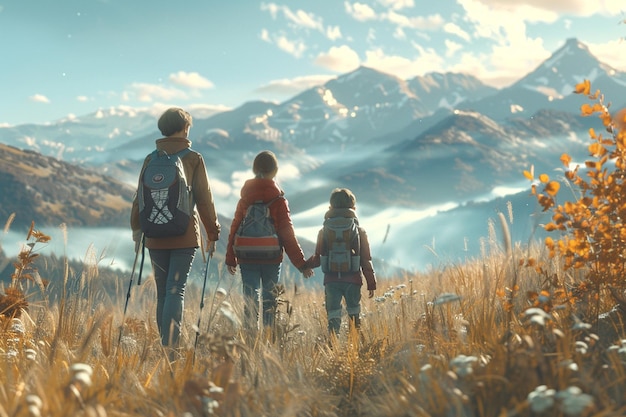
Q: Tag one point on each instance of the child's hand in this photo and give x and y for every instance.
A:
(371, 294)
(308, 273)
(231, 269)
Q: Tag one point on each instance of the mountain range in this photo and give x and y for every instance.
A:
(433, 143)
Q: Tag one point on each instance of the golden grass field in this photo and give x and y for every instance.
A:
(520, 331)
(463, 340)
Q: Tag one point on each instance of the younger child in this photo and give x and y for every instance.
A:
(343, 271)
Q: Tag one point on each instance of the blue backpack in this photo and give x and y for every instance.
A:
(165, 200)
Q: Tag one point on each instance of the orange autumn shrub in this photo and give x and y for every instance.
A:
(591, 233)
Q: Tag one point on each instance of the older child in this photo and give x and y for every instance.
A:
(263, 274)
(343, 252)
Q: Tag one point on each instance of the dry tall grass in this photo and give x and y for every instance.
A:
(465, 340)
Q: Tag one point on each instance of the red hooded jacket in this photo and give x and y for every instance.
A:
(265, 189)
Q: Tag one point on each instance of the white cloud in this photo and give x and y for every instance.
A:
(399, 33)
(611, 53)
(431, 22)
(150, 92)
(359, 11)
(295, 48)
(82, 99)
(272, 8)
(452, 47)
(39, 98)
(529, 9)
(454, 29)
(303, 19)
(293, 86)
(190, 79)
(339, 58)
(265, 35)
(427, 61)
(397, 4)
(333, 33)
(299, 18)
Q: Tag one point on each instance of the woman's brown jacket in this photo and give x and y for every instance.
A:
(195, 171)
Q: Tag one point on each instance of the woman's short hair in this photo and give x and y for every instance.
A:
(174, 120)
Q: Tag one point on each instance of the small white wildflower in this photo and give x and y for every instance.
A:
(537, 316)
(400, 286)
(569, 364)
(31, 354)
(17, 326)
(462, 365)
(216, 390)
(426, 368)
(82, 378)
(446, 298)
(210, 405)
(573, 401)
(302, 333)
(581, 347)
(81, 367)
(388, 294)
(221, 291)
(541, 399)
(379, 299)
(34, 400)
(34, 411)
(227, 310)
(580, 325)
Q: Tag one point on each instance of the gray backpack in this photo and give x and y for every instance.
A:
(164, 196)
(341, 245)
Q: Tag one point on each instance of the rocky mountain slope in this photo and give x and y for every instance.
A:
(48, 191)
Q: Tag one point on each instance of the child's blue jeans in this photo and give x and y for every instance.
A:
(335, 292)
(263, 277)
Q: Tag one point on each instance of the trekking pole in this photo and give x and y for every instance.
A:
(130, 284)
(206, 274)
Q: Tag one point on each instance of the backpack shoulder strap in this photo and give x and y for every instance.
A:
(183, 152)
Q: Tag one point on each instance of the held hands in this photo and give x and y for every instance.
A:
(308, 273)
(231, 269)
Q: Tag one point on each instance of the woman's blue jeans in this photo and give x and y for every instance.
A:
(171, 269)
(264, 278)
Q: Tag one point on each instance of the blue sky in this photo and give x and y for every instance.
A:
(67, 58)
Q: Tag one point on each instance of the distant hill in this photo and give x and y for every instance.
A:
(48, 191)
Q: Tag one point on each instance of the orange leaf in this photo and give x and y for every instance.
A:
(592, 133)
(552, 188)
(544, 178)
(596, 149)
(566, 159)
(586, 110)
(528, 175)
(583, 88)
